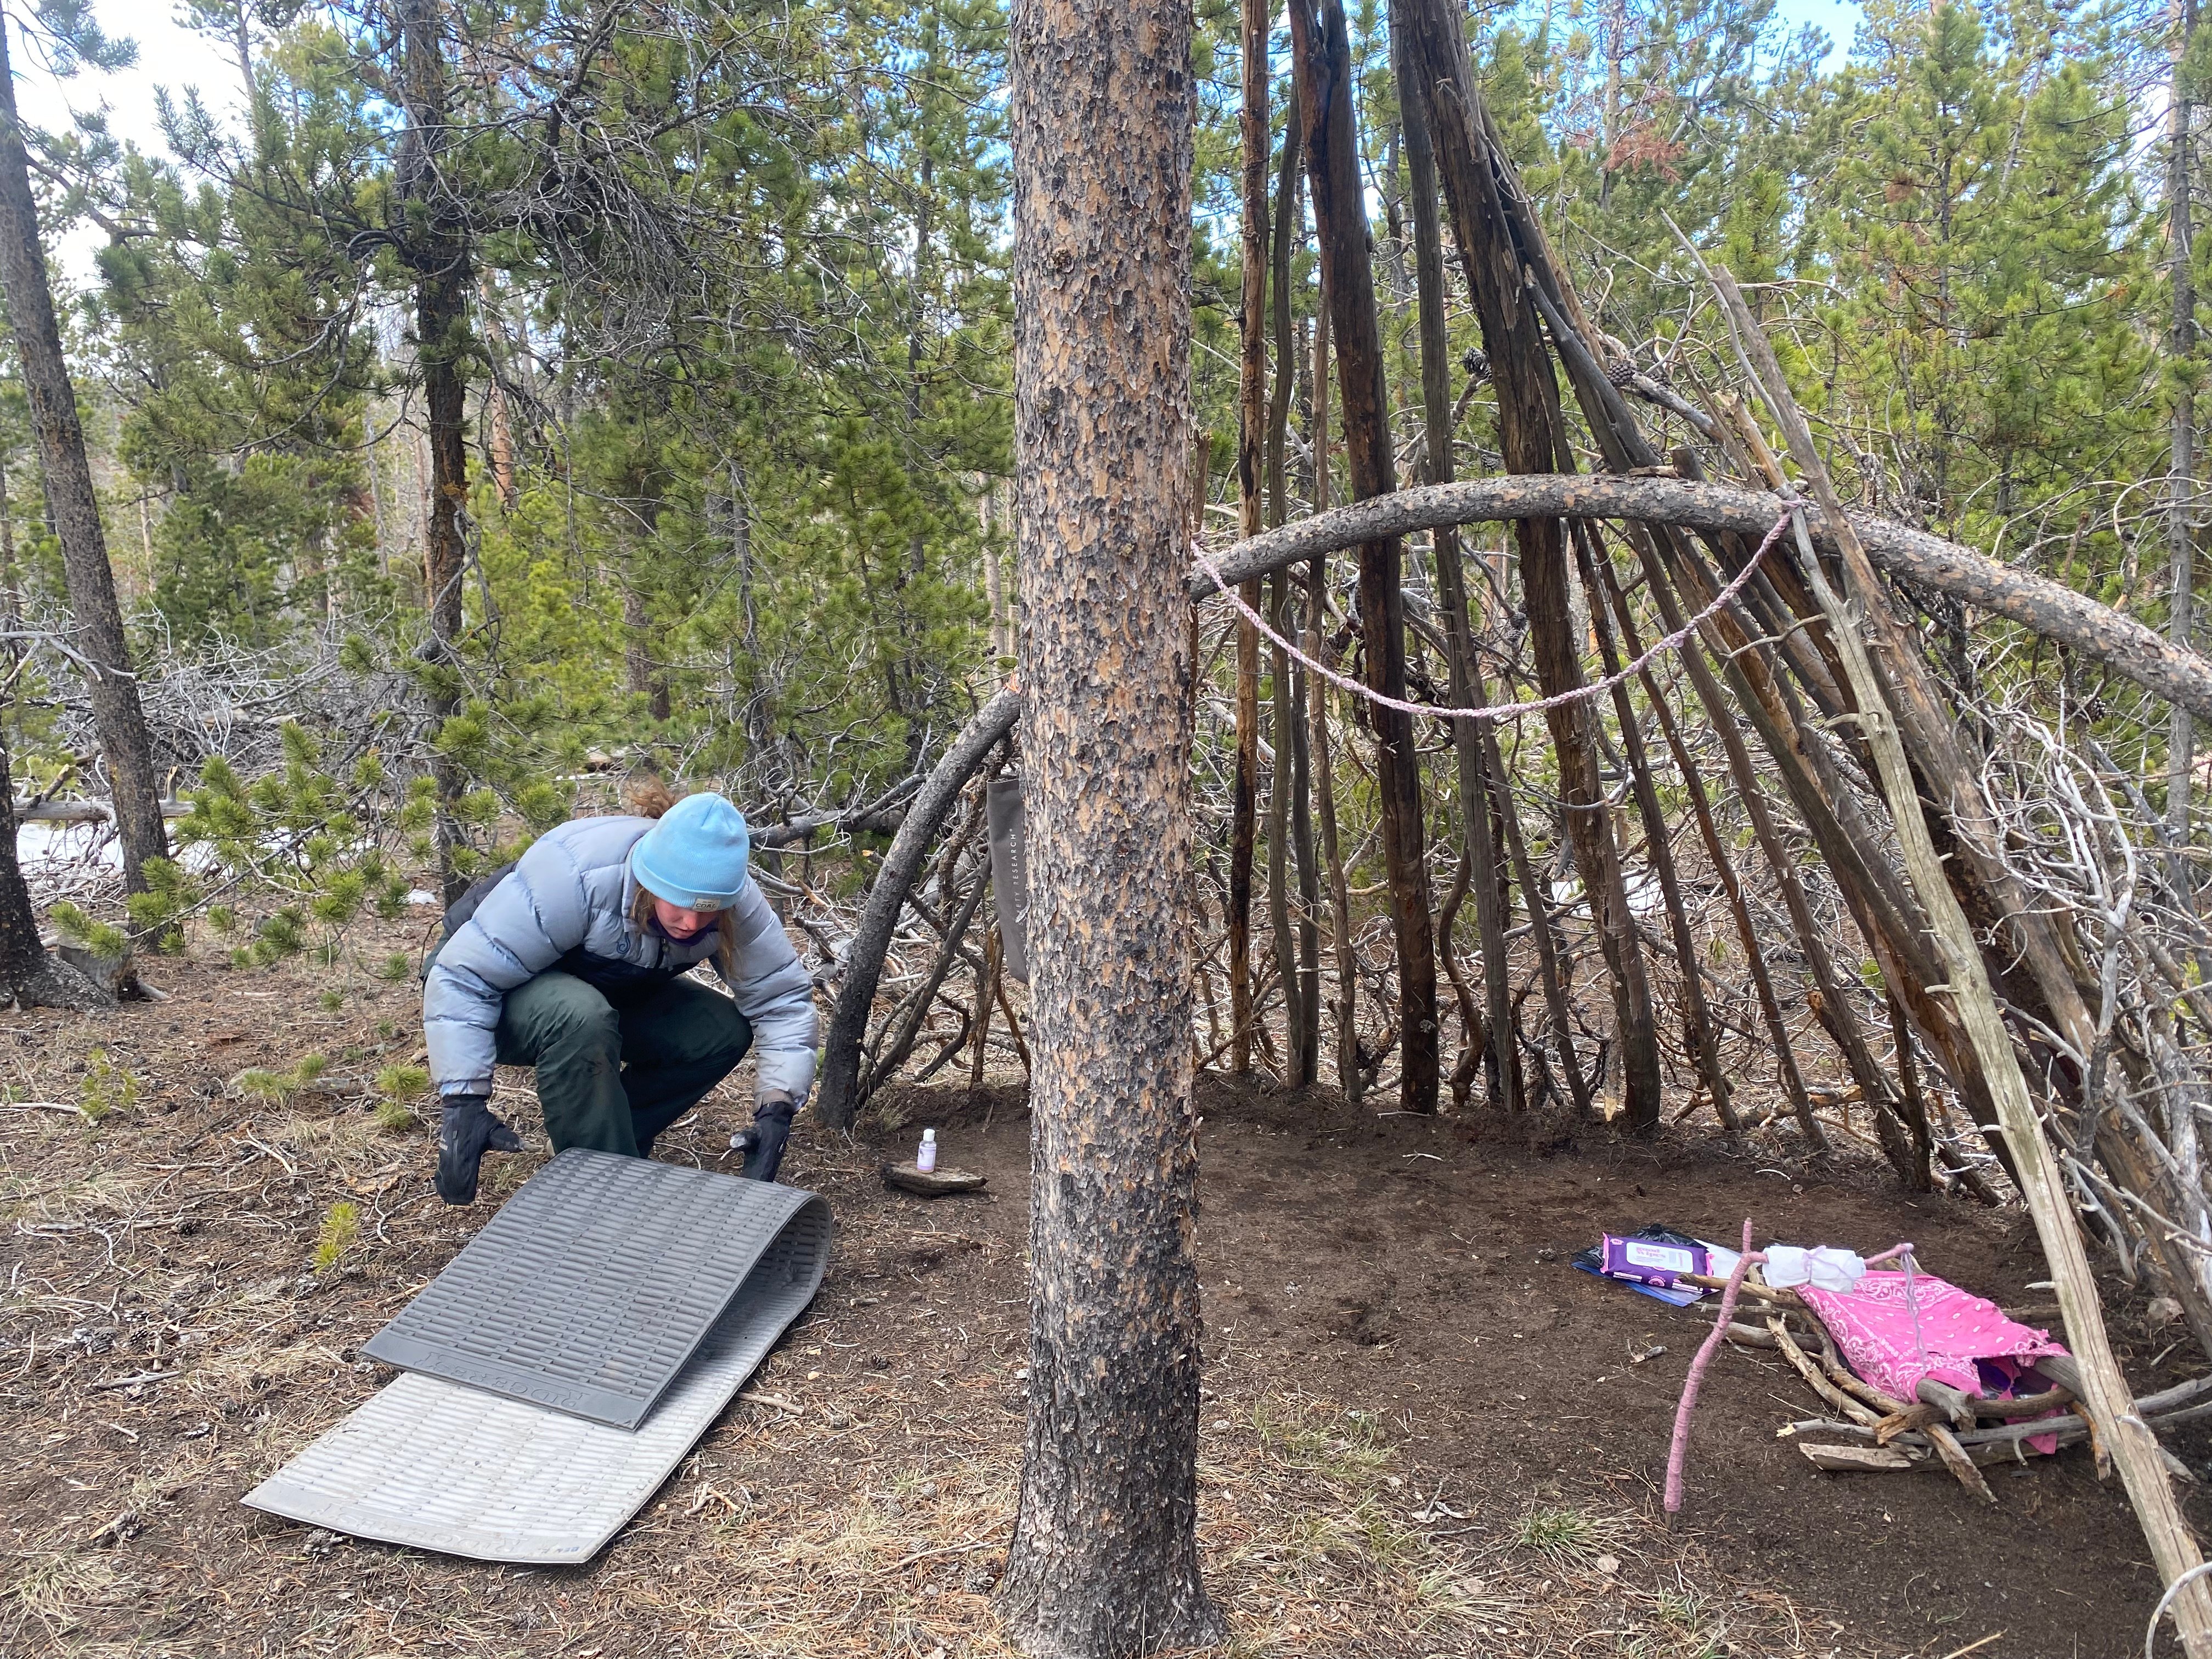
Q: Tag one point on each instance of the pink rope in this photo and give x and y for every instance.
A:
(1679, 1450)
(1499, 710)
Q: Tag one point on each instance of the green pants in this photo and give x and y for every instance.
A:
(614, 1070)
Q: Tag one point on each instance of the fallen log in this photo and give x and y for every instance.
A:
(2035, 603)
(83, 812)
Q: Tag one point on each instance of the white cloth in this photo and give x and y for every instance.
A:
(1826, 1268)
(1786, 1266)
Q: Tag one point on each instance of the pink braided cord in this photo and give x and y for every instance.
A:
(1499, 710)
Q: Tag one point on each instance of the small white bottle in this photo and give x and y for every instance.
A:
(925, 1160)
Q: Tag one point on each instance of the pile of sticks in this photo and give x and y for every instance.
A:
(1941, 1427)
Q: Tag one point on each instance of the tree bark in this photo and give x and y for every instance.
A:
(1320, 39)
(1251, 438)
(1301, 979)
(72, 506)
(435, 243)
(1104, 1556)
(1318, 696)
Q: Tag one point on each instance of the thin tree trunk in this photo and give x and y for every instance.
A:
(1251, 436)
(1501, 1059)
(435, 246)
(1550, 973)
(1321, 40)
(501, 426)
(1309, 874)
(1103, 1561)
(73, 506)
(1348, 1076)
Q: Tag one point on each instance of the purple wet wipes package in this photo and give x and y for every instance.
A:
(1648, 1262)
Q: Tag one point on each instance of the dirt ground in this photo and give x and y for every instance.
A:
(1424, 1433)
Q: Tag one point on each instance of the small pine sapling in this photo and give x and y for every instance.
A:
(108, 1088)
(280, 1087)
(397, 1088)
(341, 1227)
(104, 939)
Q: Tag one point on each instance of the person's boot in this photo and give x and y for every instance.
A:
(466, 1130)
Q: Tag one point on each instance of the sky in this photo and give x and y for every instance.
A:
(169, 55)
(1837, 18)
(174, 56)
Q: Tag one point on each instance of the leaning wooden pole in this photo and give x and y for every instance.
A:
(1501, 1057)
(838, 1100)
(2107, 1399)
(1697, 1015)
(1531, 437)
(1251, 435)
(1321, 39)
(2043, 607)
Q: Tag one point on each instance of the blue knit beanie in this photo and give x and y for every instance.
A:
(695, 856)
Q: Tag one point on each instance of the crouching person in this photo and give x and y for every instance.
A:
(572, 960)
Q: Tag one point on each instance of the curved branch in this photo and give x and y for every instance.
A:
(2035, 603)
(839, 1099)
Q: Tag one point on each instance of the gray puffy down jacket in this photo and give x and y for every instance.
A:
(566, 906)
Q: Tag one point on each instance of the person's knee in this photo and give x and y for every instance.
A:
(581, 1026)
(729, 1035)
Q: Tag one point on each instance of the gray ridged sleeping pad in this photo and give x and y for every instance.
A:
(604, 1287)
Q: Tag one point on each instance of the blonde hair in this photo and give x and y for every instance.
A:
(649, 797)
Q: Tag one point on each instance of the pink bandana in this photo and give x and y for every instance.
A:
(1873, 1325)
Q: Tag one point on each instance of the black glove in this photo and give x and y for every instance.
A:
(762, 1144)
(465, 1131)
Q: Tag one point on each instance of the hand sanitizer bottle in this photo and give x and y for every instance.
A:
(926, 1159)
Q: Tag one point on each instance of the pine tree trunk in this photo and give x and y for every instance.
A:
(499, 427)
(1104, 1556)
(73, 506)
(1322, 43)
(435, 246)
(1297, 949)
(34, 979)
(1330, 859)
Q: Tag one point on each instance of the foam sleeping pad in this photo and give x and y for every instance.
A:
(564, 1361)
